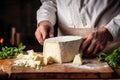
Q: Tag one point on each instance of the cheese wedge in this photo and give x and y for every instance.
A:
(62, 49)
(77, 59)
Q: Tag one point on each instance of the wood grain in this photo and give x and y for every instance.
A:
(89, 69)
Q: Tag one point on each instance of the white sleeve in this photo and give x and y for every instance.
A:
(114, 27)
(47, 11)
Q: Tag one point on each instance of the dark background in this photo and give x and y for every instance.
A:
(20, 14)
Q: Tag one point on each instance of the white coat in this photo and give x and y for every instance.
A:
(80, 17)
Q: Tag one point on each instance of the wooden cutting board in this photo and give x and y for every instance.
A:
(90, 69)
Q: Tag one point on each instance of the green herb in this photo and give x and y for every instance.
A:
(11, 52)
(113, 59)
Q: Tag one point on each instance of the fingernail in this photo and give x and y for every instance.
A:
(51, 35)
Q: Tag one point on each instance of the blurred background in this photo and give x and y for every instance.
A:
(18, 23)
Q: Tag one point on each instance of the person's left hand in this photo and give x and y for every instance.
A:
(95, 42)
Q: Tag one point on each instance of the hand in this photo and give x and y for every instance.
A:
(43, 30)
(95, 42)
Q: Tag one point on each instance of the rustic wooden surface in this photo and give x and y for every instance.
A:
(89, 69)
(3, 75)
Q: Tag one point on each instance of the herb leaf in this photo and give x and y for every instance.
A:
(113, 59)
(11, 52)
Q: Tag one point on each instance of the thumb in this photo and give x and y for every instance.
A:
(51, 34)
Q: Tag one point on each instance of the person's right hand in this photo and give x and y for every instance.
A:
(44, 29)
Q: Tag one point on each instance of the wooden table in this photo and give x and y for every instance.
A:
(3, 75)
(90, 69)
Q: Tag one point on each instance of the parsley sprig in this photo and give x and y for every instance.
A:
(113, 59)
(11, 52)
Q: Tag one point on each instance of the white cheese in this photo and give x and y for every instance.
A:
(62, 48)
(32, 63)
(77, 59)
(20, 62)
(31, 59)
(48, 60)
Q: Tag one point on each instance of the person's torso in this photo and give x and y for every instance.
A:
(86, 13)
(80, 17)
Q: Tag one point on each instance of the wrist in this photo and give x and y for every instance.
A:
(45, 23)
(108, 34)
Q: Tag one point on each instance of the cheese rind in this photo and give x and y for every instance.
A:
(63, 48)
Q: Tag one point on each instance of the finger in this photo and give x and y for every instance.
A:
(39, 37)
(91, 47)
(80, 49)
(85, 44)
(44, 34)
(51, 34)
(96, 50)
(84, 39)
(102, 47)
